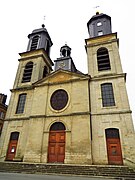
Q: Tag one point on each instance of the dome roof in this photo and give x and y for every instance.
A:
(99, 15)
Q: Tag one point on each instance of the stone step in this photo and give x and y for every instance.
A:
(86, 170)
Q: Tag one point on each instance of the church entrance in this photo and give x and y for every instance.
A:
(56, 148)
(12, 146)
(113, 146)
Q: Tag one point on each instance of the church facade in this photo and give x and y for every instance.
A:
(63, 115)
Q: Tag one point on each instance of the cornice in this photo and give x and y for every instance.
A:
(47, 116)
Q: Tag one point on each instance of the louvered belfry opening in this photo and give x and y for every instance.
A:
(27, 72)
(103, 59)
(34, 43)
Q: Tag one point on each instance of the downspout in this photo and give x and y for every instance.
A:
(90, 117)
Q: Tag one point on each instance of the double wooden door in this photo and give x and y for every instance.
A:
(56, 148)
(114, 151)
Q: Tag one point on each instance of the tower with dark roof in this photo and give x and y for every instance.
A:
(35, 63)
(111, 120)
(99, 24)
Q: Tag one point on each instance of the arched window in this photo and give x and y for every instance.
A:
(14, 136)
(21, 103)
(57, 126)
(103, 59)
(34, 43)
(107, 95)
(27, 72)
(112, 133)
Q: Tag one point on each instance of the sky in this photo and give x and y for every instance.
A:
(66, 22)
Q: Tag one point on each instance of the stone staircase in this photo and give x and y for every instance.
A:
(114, 172)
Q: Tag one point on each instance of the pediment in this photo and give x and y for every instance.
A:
(61, 76)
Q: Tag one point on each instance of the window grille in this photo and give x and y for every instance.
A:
(27, 72)
(103, 59)
(21, 104)
(107, 95)
(34, 43)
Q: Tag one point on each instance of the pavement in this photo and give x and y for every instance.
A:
(21, 176)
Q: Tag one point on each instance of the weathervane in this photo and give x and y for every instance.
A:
(43, 25)
(44, 19)
(96, 7)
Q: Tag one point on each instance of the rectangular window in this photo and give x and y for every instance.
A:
(107, 95)
(99, 24)
(100, 33)
(1, 115)
(21, 104)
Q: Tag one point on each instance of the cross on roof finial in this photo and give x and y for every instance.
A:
(43, 25)
(96, 7)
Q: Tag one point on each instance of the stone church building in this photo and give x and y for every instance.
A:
(60, 115)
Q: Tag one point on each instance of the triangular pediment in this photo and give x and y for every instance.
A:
(61, 76)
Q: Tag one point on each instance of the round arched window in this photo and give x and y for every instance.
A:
(59, 99)
(57, 126)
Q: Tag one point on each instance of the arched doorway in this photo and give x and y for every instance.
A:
(56, 148)
(113, 146)
(12, 146)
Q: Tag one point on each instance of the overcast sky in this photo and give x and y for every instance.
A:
(66, 21)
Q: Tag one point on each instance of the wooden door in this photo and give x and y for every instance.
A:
(11, 150)
(114, 147)
(114, 151)
(12, 146)
(56, 149)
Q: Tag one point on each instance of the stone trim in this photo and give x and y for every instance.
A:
(45, 116)
(108, 76)
(110, 113)
(62, 82)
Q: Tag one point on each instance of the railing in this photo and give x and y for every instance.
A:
(129, 160)
(2, 157)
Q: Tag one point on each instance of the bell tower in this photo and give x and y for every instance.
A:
(35, 63)
(65, 61)
(111, 120)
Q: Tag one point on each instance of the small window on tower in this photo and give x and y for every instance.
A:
(47, 48)
(45, 72)
(100, 33)
(103, 59)
(27, 72)
(107, 95)
(1, 115)
(21, 103)
(99, 24)
(34, 43)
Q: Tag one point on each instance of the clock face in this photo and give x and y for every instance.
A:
(59, 99)
(62, 65)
